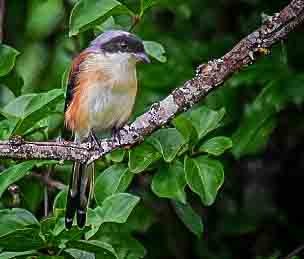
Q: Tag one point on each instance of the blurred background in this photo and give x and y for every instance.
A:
(258, 212)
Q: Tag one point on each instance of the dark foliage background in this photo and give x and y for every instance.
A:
(252, 128)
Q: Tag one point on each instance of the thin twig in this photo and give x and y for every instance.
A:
(294, 252)
(49, 182)
(45, 201)
(208, 77)
(136, 20)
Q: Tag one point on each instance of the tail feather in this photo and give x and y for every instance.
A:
(85, 187)
(79, 194)
(73, 196)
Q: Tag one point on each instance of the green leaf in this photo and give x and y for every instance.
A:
(259, 140)
(117, 207)
(185, 127)
(259, 121)
(16, 172)
(205, 120)
(141, 218)
(47, 225)
(169, 182)
(129, 248)
(12, 255)
(43, 17)
(117, 156)
(31, 65)
(204, 177)
(189, 217)
(155, 50)
(79, 254)
(60, 200)
(65, 78)
(6, 95)
(216, 146)
(168, 142)
(16, 108)
(108, 24)
(141, 157)
(86, 13)
(125, 245)
(22, 240)
(31, 108)
(7, 59)
(13, 81)
(32, 194)
(146, 4)
(12, 219)
(114, 179)
(94, 246)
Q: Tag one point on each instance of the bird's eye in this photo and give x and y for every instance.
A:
(123, 45)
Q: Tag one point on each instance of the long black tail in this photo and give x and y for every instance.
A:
(79, 193)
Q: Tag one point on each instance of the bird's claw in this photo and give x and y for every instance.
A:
(93, 139)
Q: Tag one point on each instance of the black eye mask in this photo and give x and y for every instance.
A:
(123, 44)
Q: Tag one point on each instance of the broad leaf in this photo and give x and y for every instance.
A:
(155, 50)
(16, 107)
(141, 157)
(43, 17)
(114, 179)
(7, 59)
(94, 246)
(79, 254)
(12, 219)
(146, 4)
(108, 24)
(259, 121)
(185, 127)
(259, 139)
(117, 155)
(32, 194)
(29, 109)
(128, 248)
(6, 95)
(60, 200)
(13, 81)
(16, 172)
(117, 207)
(141, 218)
(22, 240)
(86, 13)
(189, 217)
(168, 142)
(125, 245)
(12, 255)
(204, 177)
(169, 182)
(216, 146)
(205, 120)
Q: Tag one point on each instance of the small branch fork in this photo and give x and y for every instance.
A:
(208, 77)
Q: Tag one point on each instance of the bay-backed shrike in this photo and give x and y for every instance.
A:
(100, 96)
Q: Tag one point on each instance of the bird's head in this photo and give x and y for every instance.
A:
(121, 42)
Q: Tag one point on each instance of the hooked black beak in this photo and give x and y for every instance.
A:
(142, 57)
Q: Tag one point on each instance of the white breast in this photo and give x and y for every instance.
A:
(111, 101)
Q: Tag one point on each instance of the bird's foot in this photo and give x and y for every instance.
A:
(116, 135)
(93, 139)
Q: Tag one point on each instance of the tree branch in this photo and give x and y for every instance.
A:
(208, 77)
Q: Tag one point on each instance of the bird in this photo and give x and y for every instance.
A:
(100, 96)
